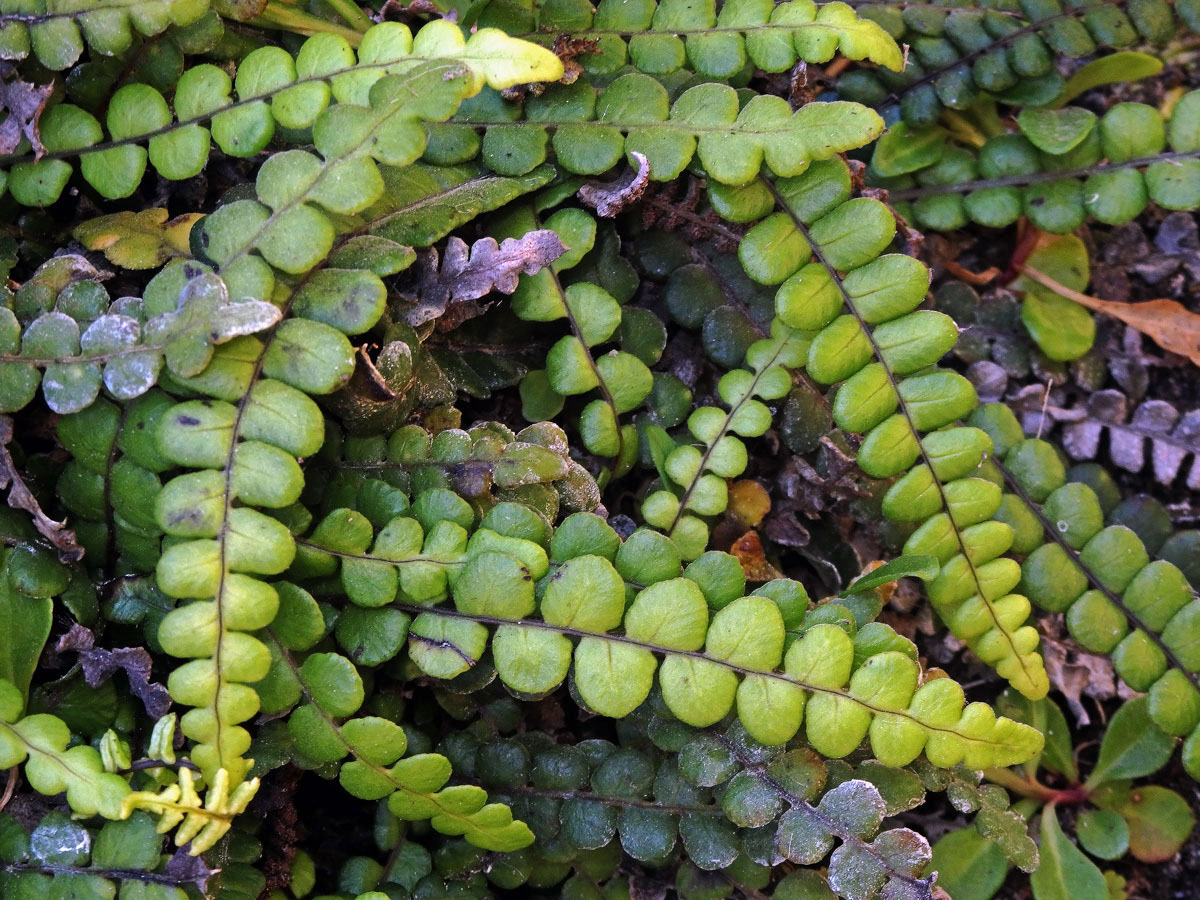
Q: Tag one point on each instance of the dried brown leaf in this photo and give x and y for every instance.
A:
(801, 89)
(676, 206)
(1074, 672)
(23, 103)
(906, 613)
(748, 550)
(1172, 436)
(609, 199)
(749, 502)
(100, 664)
(20, 497)
(468, 272)
(567, 49)
(1168, 323)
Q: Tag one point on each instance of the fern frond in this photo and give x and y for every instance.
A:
(1116, 600)
(660, 38)
(55, 33)
(484, 472)
(718, 791)
(595, 317)
(695, 477)
(422, 203)
(326, 730)
(274, 90)
(40, 741)
(242, 443)
(821, 680)
(594, 130)
(202, 822)
(881, 351)
(824, 250)
(103, 860)
(123, 346)
(959, 55)
(1058, 169)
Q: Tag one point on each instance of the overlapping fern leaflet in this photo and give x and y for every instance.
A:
(694, 477)
(594, 129)
(622, 379)
(273, 91)
(326, 730)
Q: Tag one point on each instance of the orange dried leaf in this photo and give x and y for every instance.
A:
(749, 502)
(748, 550)
(1166, 322)
(962, 273)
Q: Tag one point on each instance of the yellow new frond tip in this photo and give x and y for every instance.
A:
(203, 822)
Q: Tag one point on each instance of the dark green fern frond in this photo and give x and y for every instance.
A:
(56, 33)
(1060, 168)
(959, 56)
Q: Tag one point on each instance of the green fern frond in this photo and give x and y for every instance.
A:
(846, 313)
(83, 342)
(695, 477)
(594, 316)
(325, 730)
(491, 578)
(96, 860)
(270, 479)
(718, 791)
(594, 130)
(243, 442)
(40, 741)
(881, 351)
(486, 473)
(422, 203)
(1116, 600)
(274, 90)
